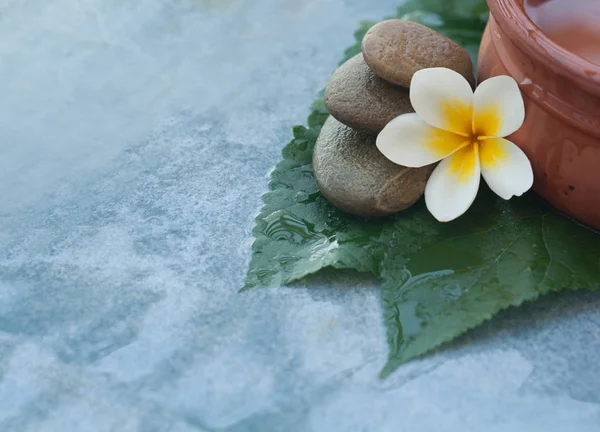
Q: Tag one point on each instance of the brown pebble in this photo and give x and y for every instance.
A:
(360, 99)
(396, 49)
(358, 179)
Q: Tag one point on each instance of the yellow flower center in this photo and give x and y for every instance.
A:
(473, 134)
(458, 117)
(462, 163)
(486, 122)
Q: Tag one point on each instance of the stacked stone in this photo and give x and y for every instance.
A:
(364, 95)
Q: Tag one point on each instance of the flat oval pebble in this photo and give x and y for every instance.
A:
(396, 49)
(360, 99)
(356, 178)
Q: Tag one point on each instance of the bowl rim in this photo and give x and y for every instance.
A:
(521, 30)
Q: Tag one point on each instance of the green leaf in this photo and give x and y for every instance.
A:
(439, 280)
(472, 9)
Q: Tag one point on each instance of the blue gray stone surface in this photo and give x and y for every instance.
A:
(135, 142)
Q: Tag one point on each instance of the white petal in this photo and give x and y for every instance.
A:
(498, 107)
(505, 167)
(409, 141)
(444, 99)
(453, 185)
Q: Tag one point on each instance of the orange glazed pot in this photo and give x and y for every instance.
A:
(561, 133)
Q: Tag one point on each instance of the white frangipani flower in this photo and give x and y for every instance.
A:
(465, 131)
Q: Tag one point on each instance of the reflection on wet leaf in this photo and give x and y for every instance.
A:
(460, 274)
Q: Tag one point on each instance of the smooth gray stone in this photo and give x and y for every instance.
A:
(396, 49)
(358, 98)
(357, 178)
(135, 142)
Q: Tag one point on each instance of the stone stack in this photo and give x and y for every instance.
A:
(364, 95)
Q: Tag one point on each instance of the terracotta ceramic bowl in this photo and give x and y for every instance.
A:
(561, 133)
